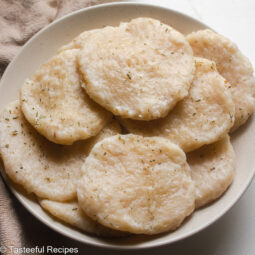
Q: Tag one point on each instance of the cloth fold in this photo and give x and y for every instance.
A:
(19, 20)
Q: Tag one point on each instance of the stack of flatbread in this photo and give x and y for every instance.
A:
(125, 129)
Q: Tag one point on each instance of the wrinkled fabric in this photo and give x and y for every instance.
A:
(19, 20)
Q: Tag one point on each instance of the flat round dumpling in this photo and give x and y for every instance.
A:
(54, 103)
(71, 213)
(137, 184)
(47, 169)
(212, 170)
(203, 117)
(138, 70)
(80, 41)
(232, 65)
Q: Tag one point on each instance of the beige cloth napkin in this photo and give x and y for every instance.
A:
(19, 20)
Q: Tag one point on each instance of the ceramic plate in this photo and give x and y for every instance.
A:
(45, 44)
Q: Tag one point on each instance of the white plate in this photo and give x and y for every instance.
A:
(45, 44)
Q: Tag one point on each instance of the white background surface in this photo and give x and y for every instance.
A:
(234, 233)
